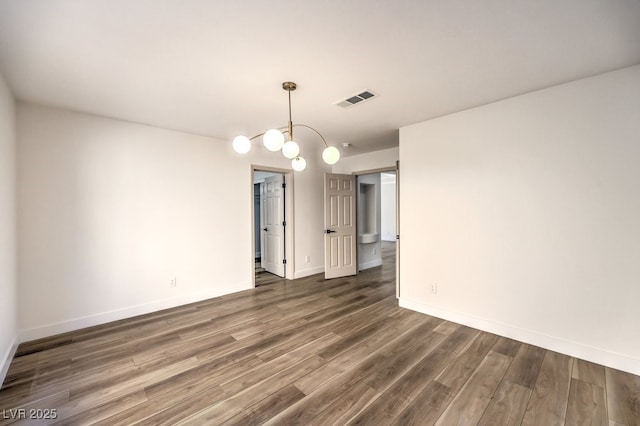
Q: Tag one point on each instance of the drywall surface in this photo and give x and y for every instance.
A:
(525, 213)
(388, 207)
(111, 212)
(383, 159)
(369, 221)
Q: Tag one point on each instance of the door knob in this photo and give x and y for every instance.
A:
(264, 229)
(328, 231)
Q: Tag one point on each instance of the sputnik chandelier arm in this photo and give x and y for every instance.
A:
(317, 132)
(283, 129)
(274, 140)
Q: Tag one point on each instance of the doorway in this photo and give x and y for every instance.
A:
(369, 240)
(376, 223)
(271, 238)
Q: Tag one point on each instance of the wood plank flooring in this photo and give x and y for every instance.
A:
(265, 278)
(308, 352)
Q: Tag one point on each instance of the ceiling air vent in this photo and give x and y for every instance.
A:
(365, 95)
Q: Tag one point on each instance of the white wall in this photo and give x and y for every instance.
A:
(525, 212)
(388, 207)
(309, 213)
(8, 278)
(369, 254)
(110, 211)
(382, 159)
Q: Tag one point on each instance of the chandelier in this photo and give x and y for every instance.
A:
(274, 140)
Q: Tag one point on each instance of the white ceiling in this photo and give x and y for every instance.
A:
(216, 67)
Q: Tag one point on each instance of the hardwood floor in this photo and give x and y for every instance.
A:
(265, 278)
(262, 277)
(308, 352)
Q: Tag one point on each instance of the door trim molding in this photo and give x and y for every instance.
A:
(289, 234)
(396, 170)
(372, 171)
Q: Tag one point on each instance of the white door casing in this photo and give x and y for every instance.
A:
(398, 229)
(272, 223)
(340, 226)
(262, 225)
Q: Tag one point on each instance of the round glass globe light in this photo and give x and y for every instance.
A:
(290, 149)
(273, 139)
(331, 155)
(298, 164)
(241, 144)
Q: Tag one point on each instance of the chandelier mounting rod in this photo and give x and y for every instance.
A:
(289, 86)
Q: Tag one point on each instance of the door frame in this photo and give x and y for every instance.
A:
(274, 226)
(289, 219)
(396, 170)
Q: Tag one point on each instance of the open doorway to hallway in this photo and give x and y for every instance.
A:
(269, 225)
(376, 221)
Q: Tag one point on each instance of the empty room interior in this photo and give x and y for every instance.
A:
(320, 213)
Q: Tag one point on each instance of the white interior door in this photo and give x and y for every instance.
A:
(340, 226)
(272, 208)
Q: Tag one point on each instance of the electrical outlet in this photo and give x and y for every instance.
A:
(434, 288)
(174, 282)
(307, 259)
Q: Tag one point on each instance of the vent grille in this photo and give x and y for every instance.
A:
(358, 98)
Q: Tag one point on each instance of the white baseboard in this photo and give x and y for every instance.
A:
(307, 272)
(47, 330)
(574, 349)
(5, 361)
(371, 264)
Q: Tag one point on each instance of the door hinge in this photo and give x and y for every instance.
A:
(397, 237)
(284, 223)
(284, 261)
(284, 186)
